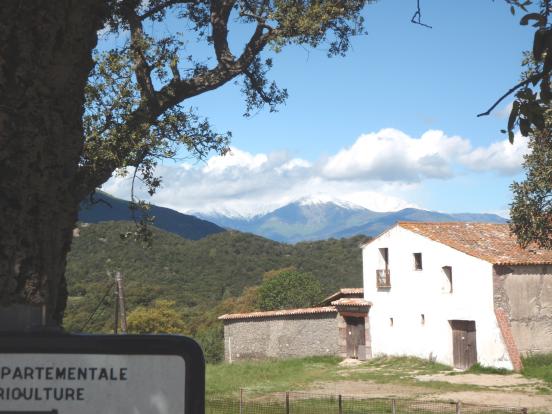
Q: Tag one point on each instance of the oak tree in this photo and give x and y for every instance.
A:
(531, 208)
(70, 117)
(289, 288)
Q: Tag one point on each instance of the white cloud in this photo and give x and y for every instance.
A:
(294, 164)
(379, 171)
(501, 157)
(235, 159)
(391, 155)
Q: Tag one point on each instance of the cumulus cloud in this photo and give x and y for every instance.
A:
(391, 155)
(502, 157)
(235, 159)
(377, 171)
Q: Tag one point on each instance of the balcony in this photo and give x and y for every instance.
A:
(383, 278)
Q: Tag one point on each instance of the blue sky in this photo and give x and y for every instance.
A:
(392, 124)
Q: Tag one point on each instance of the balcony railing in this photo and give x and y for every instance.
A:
(383, 278)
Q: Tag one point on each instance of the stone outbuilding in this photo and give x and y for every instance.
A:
(337, 326)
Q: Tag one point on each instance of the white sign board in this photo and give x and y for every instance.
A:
(100, 382)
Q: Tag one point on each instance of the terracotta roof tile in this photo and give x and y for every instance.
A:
(490, 242)
(283, 312)
(359, 292)
(351, 302)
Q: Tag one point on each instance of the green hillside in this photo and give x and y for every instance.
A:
(197, 275)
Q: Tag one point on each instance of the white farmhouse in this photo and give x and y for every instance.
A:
(457, 293)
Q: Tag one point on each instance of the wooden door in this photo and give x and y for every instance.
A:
(464, 345)
(355, 335)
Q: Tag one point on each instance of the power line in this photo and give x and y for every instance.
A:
(100, 303)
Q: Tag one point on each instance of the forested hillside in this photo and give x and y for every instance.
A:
(197, 275)
(104, 207)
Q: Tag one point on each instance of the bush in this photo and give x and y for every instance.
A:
(538, 366)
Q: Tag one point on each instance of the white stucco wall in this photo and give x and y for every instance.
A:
(417, 292)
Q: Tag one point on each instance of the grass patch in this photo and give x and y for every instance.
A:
(538, 366)
(269, 376)
(408, 364)
(480, 369)
(265, 377)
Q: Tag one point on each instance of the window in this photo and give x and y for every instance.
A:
(417, 261)
(422, 319)
(384, 259)
(383, 276)
(447, 270)
(391, 322)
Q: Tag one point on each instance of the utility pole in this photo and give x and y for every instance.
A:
(121, 301)
(116, 321)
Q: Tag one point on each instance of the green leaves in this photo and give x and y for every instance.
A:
(135, 100)
(161, 317)
(289, 289)
(531, 209)
(540, 19)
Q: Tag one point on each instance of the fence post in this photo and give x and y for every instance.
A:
(340, 402)
(394, 406)
(241, 400)
(287, 402)
(458, 407)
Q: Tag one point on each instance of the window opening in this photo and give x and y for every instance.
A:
(417, 261)
(384, 251)
(383, 275)
(447, 270)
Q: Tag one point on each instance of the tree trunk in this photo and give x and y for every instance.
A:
(45, 59)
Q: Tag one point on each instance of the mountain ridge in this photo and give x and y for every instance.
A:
(317, 220)
(105, 207)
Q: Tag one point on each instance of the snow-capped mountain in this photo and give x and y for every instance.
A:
(317, 218)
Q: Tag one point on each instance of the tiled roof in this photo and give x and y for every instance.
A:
(283, 312)
(490, 242)
(351, 302)
(359, 292)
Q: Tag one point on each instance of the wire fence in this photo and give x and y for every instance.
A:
(306, 403)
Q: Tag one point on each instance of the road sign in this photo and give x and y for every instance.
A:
(101, 374)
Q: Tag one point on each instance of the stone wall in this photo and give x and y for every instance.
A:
(281, 337)
(525, 295)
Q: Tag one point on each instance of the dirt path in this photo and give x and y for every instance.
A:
(367, 388)
(485, 380)
(500, 399)
(501, 395)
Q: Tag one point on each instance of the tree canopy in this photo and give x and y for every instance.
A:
(161, 317)
(289, 289)
(72, 115)
(135, 99)
(531, 208)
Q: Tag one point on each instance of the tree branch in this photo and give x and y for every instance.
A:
(161, 7)
(220, 13)
(141, 66)
(177, 90)
(258, 88)
(510, 91)
(418, 14)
